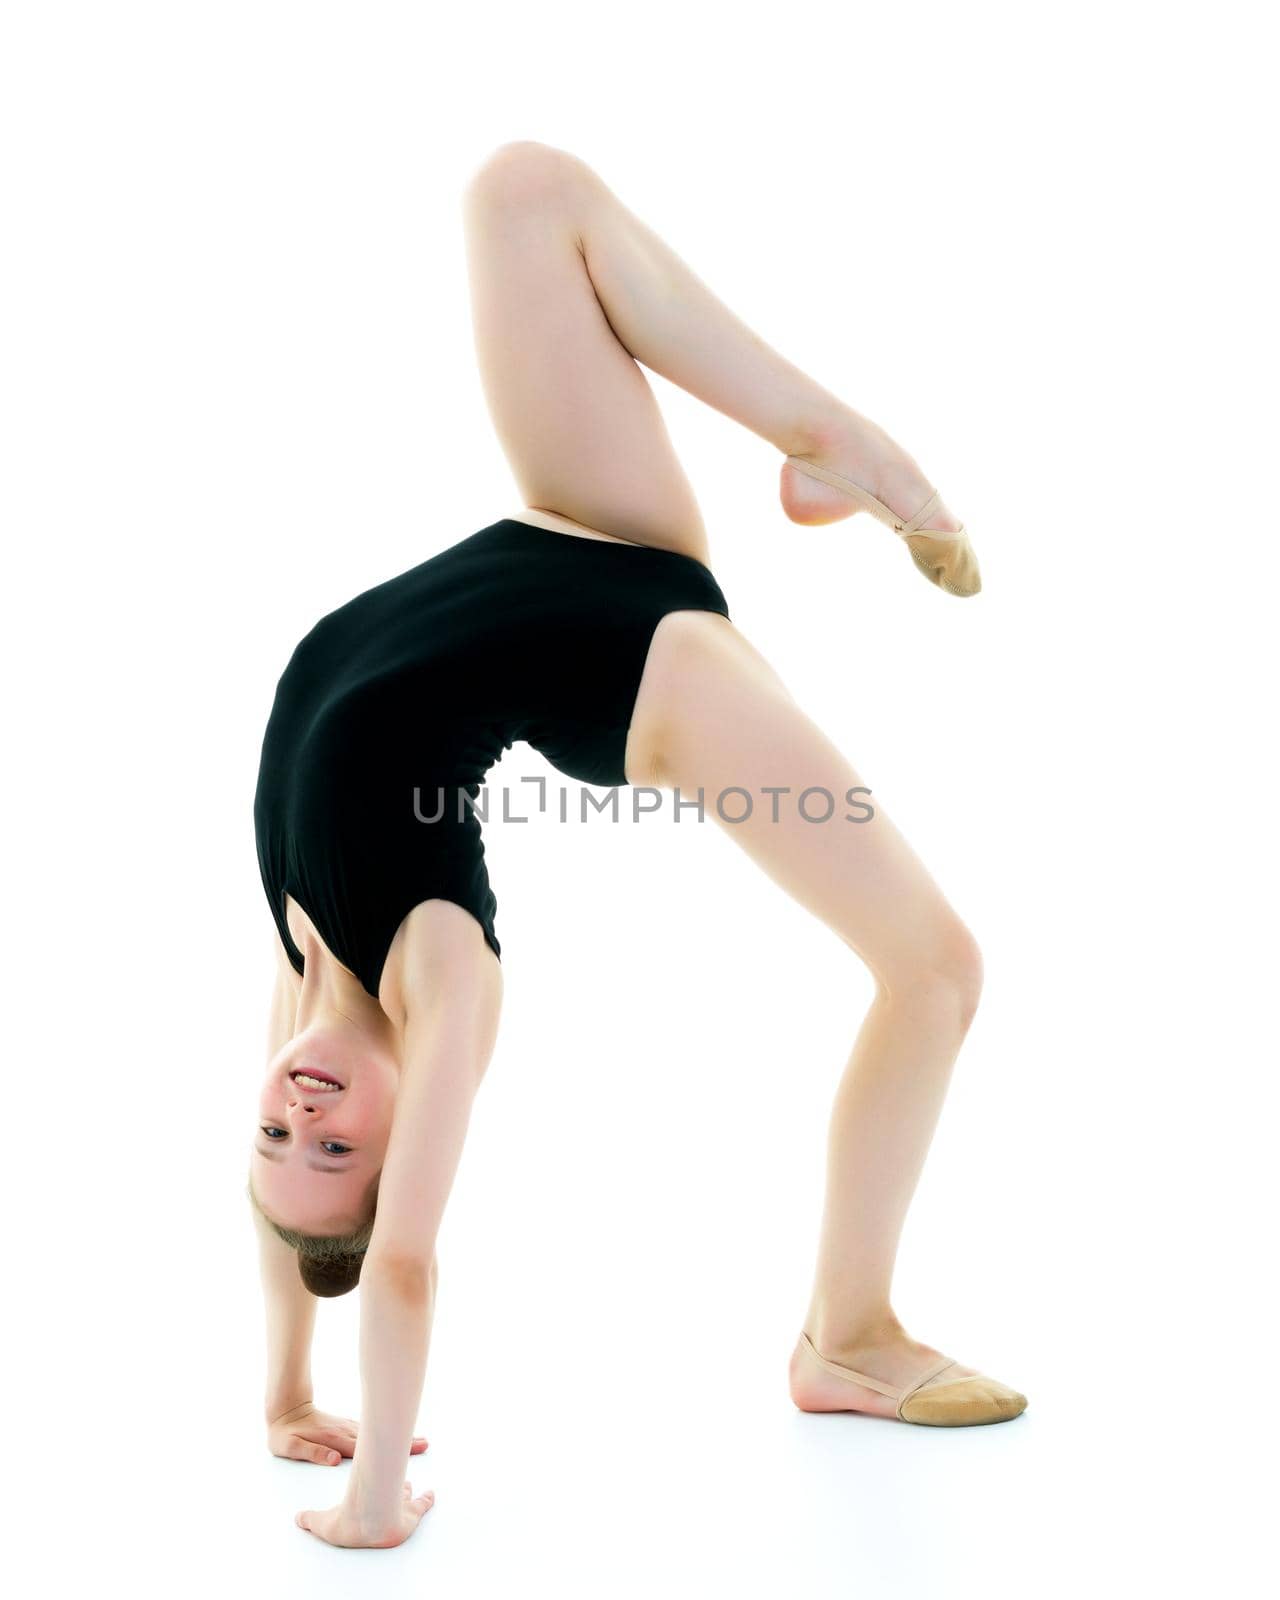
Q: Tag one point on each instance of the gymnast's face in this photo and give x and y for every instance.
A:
(324, 1119)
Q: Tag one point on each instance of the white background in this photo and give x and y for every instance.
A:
(238, 387)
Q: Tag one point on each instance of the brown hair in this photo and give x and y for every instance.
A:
(329, 1264)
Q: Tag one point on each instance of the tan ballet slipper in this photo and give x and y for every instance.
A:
(945, 1403)
(945, 558)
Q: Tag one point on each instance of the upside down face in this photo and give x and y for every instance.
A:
(324, 1119)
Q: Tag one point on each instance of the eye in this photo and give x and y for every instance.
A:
(331, 1147)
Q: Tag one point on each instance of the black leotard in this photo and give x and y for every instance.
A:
(420, 684)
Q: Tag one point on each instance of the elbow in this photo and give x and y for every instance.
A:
(407, 1277)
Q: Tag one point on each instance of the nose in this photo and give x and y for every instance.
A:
(300, 1102)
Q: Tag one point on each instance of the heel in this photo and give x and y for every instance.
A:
(864, 499)
(953, 569)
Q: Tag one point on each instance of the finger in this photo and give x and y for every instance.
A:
(418, 1446)
(301, 1520)
(422, 1503)
(331, 1439)
(322, 1454)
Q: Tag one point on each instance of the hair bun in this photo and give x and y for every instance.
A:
(327, 1278)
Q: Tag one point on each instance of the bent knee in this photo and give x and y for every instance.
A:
(944, 972)
(523, 171)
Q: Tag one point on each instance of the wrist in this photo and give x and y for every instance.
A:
(287, 1408)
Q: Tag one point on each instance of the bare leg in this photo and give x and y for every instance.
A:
(569, 291)
(713, 715)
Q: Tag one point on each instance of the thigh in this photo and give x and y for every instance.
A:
(574, 413)
(713, 715)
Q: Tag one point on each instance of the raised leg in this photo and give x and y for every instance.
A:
(713, 715)
(569, 290)
(576, 416)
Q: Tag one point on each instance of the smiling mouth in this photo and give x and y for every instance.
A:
(319, 1082)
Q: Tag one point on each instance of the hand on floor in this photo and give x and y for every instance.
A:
(307, 1434)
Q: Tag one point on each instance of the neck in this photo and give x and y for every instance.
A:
(328, 992)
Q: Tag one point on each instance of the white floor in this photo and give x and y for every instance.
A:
(702, 1483)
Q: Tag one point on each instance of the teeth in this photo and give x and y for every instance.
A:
(305, 1081)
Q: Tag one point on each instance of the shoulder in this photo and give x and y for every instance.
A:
(439, 948)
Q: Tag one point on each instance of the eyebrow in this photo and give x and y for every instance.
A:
(273, 1155)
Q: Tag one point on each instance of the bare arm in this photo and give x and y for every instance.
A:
(450, 1023)
(291, 1317)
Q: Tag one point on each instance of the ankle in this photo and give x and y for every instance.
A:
(821, 433)
(859, 1330)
